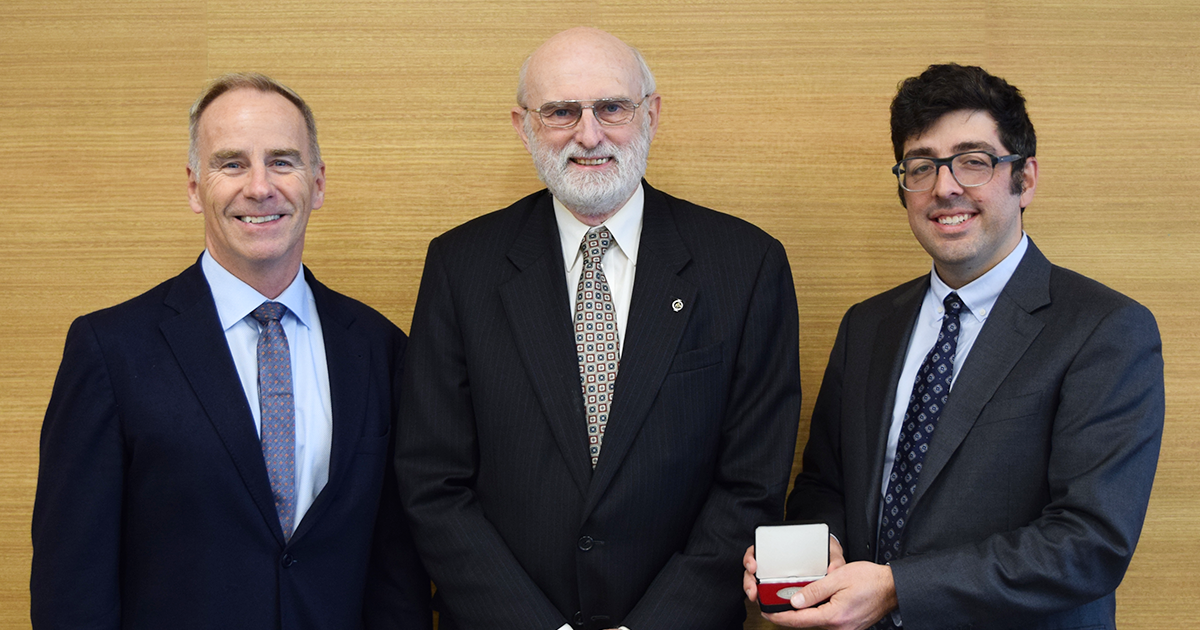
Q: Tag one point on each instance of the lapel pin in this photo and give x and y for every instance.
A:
(677, 305)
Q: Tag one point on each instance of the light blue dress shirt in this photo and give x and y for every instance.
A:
(310, 375)
(978, 297)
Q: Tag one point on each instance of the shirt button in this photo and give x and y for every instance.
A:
(585, 543)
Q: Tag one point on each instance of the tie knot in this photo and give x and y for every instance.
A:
(594, 244)
(268, 312)
(952, 304)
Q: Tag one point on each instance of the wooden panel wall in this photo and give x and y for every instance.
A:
(775, 111)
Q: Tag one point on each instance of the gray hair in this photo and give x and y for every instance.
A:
(254, 81)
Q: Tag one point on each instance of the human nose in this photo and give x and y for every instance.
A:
(589, 133)
(258, 184)
(946, 185)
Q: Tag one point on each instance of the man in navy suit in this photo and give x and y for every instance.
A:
(1014, 496)
(543, 493)
(167, 496)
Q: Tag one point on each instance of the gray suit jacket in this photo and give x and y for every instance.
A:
(1035, 486)
(516, 528)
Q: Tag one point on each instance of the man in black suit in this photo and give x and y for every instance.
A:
(544, 493)
(158, 503)
(1004, 485)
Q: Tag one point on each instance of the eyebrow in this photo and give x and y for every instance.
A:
(229, 154)
(958, 148)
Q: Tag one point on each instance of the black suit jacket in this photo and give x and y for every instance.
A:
(153, 505)
(1035, 485)
(516, 528)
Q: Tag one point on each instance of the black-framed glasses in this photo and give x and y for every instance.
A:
(969, 168)
(567, 114)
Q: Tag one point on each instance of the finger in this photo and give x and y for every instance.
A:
(748, 560)
(814, 593)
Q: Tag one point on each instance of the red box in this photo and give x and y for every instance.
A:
(789, 556)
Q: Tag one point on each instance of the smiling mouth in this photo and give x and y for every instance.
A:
(591, 161)
(266, 219)
(953, 219)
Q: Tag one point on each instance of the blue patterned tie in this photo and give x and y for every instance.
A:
(596, 339)
(277, 411)
(929, 394)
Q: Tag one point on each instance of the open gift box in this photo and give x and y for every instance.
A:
(789, 556)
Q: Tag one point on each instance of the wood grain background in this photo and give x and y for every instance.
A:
(775, 111)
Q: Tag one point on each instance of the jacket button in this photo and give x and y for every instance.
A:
(585, 543)
(578, 618)
(287, 560)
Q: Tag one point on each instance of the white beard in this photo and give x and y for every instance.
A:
(590, 193)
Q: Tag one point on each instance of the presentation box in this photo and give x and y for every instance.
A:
(789, 556)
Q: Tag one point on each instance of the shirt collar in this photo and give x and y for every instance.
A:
(235, 299)
(625, 225)
(980, 295)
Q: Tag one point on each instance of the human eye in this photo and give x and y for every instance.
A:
(974, 161)
(560, 111)
(918, 168)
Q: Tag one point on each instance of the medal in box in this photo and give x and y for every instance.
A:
(789, 556)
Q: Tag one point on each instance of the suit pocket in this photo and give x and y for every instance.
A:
(1014, 408)
(696, 359)
(374, 443)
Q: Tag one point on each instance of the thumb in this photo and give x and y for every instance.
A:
(813, 594)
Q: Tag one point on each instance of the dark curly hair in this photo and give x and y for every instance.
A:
(943, 88)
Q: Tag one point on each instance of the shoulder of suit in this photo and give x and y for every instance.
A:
(498, 223)
(696, 221)
(147, 308)
(1072, 290)
(329, 299)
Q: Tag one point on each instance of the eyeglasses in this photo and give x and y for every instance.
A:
(567, 114)
(970, 169)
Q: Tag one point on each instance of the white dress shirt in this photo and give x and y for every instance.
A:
(619, 262)
(978, 298)
(310, 376)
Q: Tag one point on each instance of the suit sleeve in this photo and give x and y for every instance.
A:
(77, 508)
(436, 462)
(819, 491)
(701, 586)
(1105, 440)
(397, 589)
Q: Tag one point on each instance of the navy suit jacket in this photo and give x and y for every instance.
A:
(1035, 485)
(516, 528)
(154, 509)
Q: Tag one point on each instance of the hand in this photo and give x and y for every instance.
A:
(750, 584)
(858, 594)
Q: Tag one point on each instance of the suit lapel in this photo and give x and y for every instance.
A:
(346, 359)
(199, 345)
(1005, 337)
(654, 331)
(886, 364)
(535, 301)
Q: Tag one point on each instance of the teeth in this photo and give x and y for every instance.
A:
(954, 220)
(269, 217)
(591, 161)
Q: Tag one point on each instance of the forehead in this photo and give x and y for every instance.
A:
(956, 131)
(246, 116)
(582, 71)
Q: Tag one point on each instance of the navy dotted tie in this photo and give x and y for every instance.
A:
(596, 339)
(929, 394)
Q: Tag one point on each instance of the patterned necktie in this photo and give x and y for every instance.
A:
(277, 411)
(596, 337)
(929, 394)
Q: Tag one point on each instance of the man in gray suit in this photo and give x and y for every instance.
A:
(543, 493)
(986, 436)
